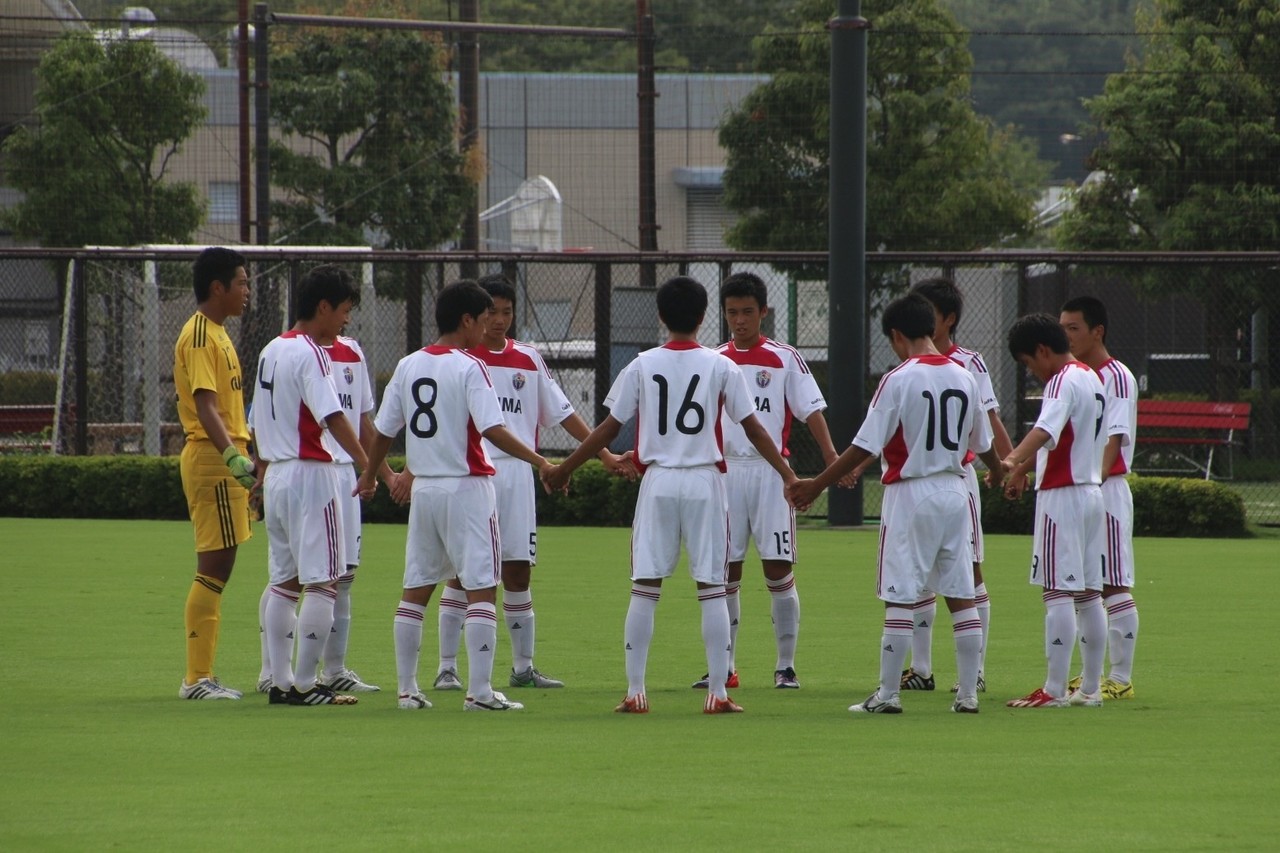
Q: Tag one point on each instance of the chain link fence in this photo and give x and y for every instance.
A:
(86, 337)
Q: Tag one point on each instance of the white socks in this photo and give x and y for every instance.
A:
(453, 612)
(1059, 640)
(1091, 623)
(481, 630)
(924, 613)
(983, 603)
(335, 650)
(785, 609)
(1122, 635)
(966, 628)
(315, 619)
(637, 634)
(517, 611)
(715, 636)
(408, 636)
(894, 644)
(734, 604)
(280, 618)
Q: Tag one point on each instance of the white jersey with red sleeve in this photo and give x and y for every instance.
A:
(781, 387)
(924, 420)
(676, 393)
(355, 388)
(1073, 413)
(1121, 392)
(444, 398)
(527, 393)
(971, 360)
(295, 394)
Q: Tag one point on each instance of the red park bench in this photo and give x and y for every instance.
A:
(1181, 436)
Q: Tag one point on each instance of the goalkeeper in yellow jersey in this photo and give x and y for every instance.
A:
(217, 473)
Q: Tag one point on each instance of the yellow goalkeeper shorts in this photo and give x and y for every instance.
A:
(218, 505)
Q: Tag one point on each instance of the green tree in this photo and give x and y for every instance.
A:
(1188, 159)
(938, 176)
(110, 116)
(1035, 61)
(380, 165)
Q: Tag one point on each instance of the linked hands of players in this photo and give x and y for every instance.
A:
(622, 466)
(400, 487)
(802, 493)
(554, 478)
(367, 485)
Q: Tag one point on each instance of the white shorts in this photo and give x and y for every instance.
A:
(453, 532)
(1069, 542)
(675, 505)
(759, 509)
(975, 513)
(351, 518)
(513, 486)
(924, 540)
(1117, 502)
(305, 521)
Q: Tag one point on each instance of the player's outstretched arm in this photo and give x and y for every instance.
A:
(378, 448)
(1000, 440)
(558, 476)
(1026, 450)
(817, 424)
(506, 441)
(763, 442)
(613, 463)
(367, 431)
(803, 493)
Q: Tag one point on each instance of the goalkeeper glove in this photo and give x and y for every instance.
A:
(241, 466)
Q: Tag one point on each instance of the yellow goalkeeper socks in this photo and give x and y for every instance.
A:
(201, 619)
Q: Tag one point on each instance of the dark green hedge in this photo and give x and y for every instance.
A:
(1162, 506)
(150, 487)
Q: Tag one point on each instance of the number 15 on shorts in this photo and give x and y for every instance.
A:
(782, 542)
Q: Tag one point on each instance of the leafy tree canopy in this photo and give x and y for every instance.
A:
(382, 166)
(109, 118)
(938, 176)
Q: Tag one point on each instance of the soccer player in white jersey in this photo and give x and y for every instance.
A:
(1066, 445)
(1085, 321)
(924, 420)
(443, 395)
(355, 392)
(299, 426)
(948, 305)
(783, 389)
(676, 393)
(530, 399)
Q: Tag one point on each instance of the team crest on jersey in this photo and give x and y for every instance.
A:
(763, 377)
(518, 381)
(349, 375)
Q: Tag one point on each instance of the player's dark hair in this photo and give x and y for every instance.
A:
(944, 295)
(912, 315)
(460, 298)
(214, 264)
(745, 285)
(1032, 330)
(325, 283)
(499, 287)
(682, 303)
(1091, 308)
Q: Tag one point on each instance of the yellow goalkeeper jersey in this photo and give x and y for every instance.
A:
(205, 358)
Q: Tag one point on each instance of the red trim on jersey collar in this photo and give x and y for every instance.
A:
(436, 349)
(679, 345)
(292, 333)
(931, 359)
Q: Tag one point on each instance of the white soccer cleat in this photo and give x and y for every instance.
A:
(1080, 699)
(968, 705)
(206, 688)
(873, 705)
(447, 679)
(497, 703)
(413, 701)
(532, 678)
(349, 681)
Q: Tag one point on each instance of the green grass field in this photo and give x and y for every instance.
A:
(98, 752)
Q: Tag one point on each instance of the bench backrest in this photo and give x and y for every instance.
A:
(26, 418)
(1192, 414)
